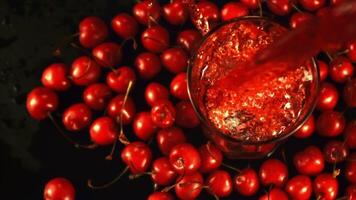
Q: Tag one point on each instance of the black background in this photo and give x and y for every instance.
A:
(32, 152)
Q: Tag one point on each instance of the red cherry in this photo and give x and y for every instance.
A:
(124, 25)
(328, 97)
(189, 39)
(351, 53)
(189, 186)
(246, 182)
(309, 161)
(84, 71)
(299, 187)
(325, 187)
(350, 134)
(160, 196)
(275, 194)
(59, 189)
(280, 7)
(55, 77)
(147, 11)
(341, 69)
(252, 4)
(350, 169)
(312, 5)
(233, 10)
(162, 172)
(137, 156)
(155, 92)
(40, 102)
(273, 171)
(330, 124)
(208, 10)
(211, 157)
(77, 117)
(175, 60)
(155, 39)
(148, 65)
(92, 31)
(219, 183)
(116, 109)
(175, 13)
(163, 113)
(351, 192)
(103, 131)
(299, 18)
(336, 2)
(335, 151)
(97, 96)
(108, 54)
(143, 126)
(120, 79)
(185, 158)
(307, 129)
(349, 93)
(168, 138)
(323, 70)
(179, 86)
(185, 115)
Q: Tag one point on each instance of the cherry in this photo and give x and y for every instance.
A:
(143, 126)
(103, 131)
(185, 115)
(208, 10)
(233, 10)
(252, 4)
(119, 79)
(175, 13)
(350, 169)
(55, 77)
(137, 156)
(189, 186)
(211, 157)
(59, 189)
(273, 171)
(162, 171)
(299, 18)
(148, 65)
(219, 183)
(97, 96)
(92, 31)
(175, 60)
(299, 187)
(40, 102)
(189, 39)
(309, 161)
(330, 124)
(275, 194)
(84, 71)
(124, 25)
(116, 108)
(155, 39)
(146, 11)
(246, 182)
(350, 134)
(328, 97)
(351, 53)
(155, 92)
(179, 86)
(336, 2)
(307, 129)
(349, 93)
(312, 5)
(325, 187)
(77, 117)
(351, 192)
(323, 70)
(168, 138)
(163, 113)
(335, 151)
(280, 7)
(341, 69)
(184, 158)
(160, 196)
(107, 54)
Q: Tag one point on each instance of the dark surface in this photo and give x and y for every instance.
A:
(32, 152)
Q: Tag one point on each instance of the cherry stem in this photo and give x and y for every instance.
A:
(134, 176)
(342, 52)
(329, 56)
(134, 45)
(62, 43)
(283, 152)
(75, 46)
(296, 8)
(66, 137)
(260, 9)
(231, 167)
(98, 187)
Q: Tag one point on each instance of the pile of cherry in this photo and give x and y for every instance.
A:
(184, 170)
